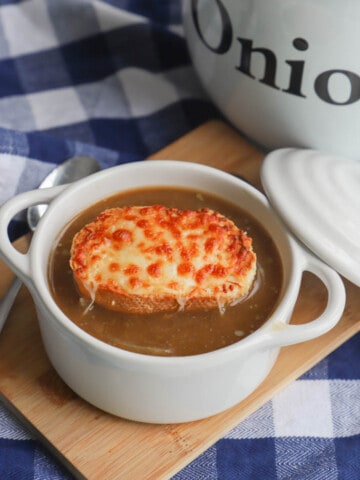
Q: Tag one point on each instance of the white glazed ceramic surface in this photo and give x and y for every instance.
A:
(286, 73)
(322, 205)
(158, 389)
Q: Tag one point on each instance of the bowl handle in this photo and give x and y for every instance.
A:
(282, 333)
(19, 262)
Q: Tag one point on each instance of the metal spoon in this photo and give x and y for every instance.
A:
(73, 169)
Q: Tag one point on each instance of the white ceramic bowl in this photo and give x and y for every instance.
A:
(160, 389)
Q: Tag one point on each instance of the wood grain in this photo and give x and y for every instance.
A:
(95, 445)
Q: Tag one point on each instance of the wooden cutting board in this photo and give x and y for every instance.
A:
(95, 445)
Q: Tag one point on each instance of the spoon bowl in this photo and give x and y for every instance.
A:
(70, 171)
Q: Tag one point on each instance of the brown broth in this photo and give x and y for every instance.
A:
(170, 334)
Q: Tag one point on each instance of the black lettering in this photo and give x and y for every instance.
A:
(321, 86)
(245, 62)
(226, 35)
(300, 44)
(297, 69)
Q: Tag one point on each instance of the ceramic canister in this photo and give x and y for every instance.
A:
(284, 72)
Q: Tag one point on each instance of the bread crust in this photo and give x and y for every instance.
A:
(148, 259)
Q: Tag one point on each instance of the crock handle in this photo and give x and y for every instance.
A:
(19, 262)
(283, 334)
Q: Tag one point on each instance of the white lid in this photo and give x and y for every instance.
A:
(318, 197)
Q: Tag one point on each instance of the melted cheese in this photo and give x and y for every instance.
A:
(160, 251)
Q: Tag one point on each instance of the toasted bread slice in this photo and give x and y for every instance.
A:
(146, 259)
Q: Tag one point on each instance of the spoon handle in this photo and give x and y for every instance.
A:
(8, 300)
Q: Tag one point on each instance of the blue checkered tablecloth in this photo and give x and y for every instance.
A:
(113, 79)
